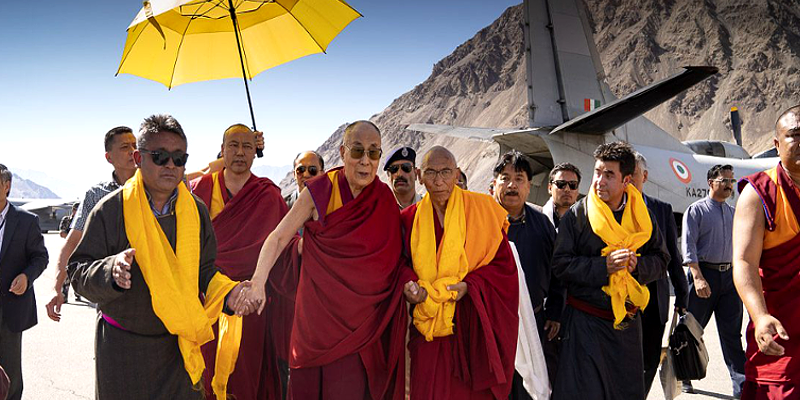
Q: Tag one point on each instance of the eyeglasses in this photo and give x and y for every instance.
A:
(357, 153)
(406, 167)
(573, 185)
(312, 170)
(431, 174)
(160, 157)
(724, 180)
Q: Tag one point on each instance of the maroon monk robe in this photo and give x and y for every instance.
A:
(780, 279)
(477, 361)
(241, 229)
(349, 325)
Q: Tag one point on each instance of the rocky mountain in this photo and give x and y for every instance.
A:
(22, 188)
(756, 46)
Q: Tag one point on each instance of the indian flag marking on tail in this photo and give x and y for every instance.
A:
(590, 104)
(680, 170)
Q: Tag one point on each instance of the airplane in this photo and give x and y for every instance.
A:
(571, 111)
(49, 211)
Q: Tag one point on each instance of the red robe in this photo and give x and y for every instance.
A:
(780, 278)
(241, 229)
(477, 361)
(350, 314)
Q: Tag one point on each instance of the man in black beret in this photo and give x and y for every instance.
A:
(403, 173)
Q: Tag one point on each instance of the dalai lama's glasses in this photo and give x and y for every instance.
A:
(573, 185)
(160, 157)
(357, 153)
(312, 170)
(406, 167)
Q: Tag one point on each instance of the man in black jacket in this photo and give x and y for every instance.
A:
(654, 317)
(23, 257)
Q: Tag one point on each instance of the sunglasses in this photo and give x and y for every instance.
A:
(724, 181)
(357, 153)
(573, 185)
(312, 170)
(160, 157)
(406, 167)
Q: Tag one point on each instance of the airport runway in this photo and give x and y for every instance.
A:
(58, 358)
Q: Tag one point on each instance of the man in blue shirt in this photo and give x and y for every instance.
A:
(707, 244)
(534, 236)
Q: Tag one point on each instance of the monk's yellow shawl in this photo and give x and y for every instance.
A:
(230, 327)
(473, 229)
(786, 226)
(172, 277)
(632, 234)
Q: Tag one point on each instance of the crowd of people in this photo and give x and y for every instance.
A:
(211, 284)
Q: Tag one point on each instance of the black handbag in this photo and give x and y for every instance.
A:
(689, 353)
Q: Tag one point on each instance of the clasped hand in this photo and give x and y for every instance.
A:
(620, 259)
(248, 298)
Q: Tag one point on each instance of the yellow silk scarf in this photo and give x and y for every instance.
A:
(463, 249)
(173, 279)
(229, 327)
(217, 202)
(632, 234)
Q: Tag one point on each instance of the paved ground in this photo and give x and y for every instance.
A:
(58, 359)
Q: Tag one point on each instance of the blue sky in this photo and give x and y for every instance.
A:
(59, 94)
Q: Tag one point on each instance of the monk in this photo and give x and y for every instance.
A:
(607, 250)
(464, 335)
(146, 257)
(766, 268)
(244, 210)
(349, 323)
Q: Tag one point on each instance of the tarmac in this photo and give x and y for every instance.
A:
(58, 357)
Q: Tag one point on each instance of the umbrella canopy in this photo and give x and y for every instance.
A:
(182, 41)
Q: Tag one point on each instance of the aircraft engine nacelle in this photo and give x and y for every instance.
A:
(717, 148)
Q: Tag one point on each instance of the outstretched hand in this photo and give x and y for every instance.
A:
(120, 271)
(767, 330)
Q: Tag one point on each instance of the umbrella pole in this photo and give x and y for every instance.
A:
(232, 10)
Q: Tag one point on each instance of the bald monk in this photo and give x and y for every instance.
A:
(349, 324)
(465, 323)
(244, 210)
(766, 268)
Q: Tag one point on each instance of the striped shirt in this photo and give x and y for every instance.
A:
(91, 198)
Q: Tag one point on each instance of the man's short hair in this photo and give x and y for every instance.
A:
(228, 129)
(349, 128)
(110, 135)
(6, 176)
(516, 159)
(620, 152)
(155, 124)
(641, 159)
(792, 110)
(319, 157)
(564, 167)
(716, 171)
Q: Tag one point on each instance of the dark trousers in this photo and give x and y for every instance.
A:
(726, 306)
(551, 351)
(11, 358)
(652, 333)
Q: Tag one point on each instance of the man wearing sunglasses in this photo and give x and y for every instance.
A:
(707, 243)
(401, 168)
(467, 286)
(244, 210)
(119, 143)
(146, 257)
(563, 188)
(534, 236)
(307, 165)
(350, 322)
(654, 317)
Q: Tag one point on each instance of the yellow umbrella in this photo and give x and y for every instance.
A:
(182, 41)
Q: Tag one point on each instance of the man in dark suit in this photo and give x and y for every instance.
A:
(654, 317)
(23, 257)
